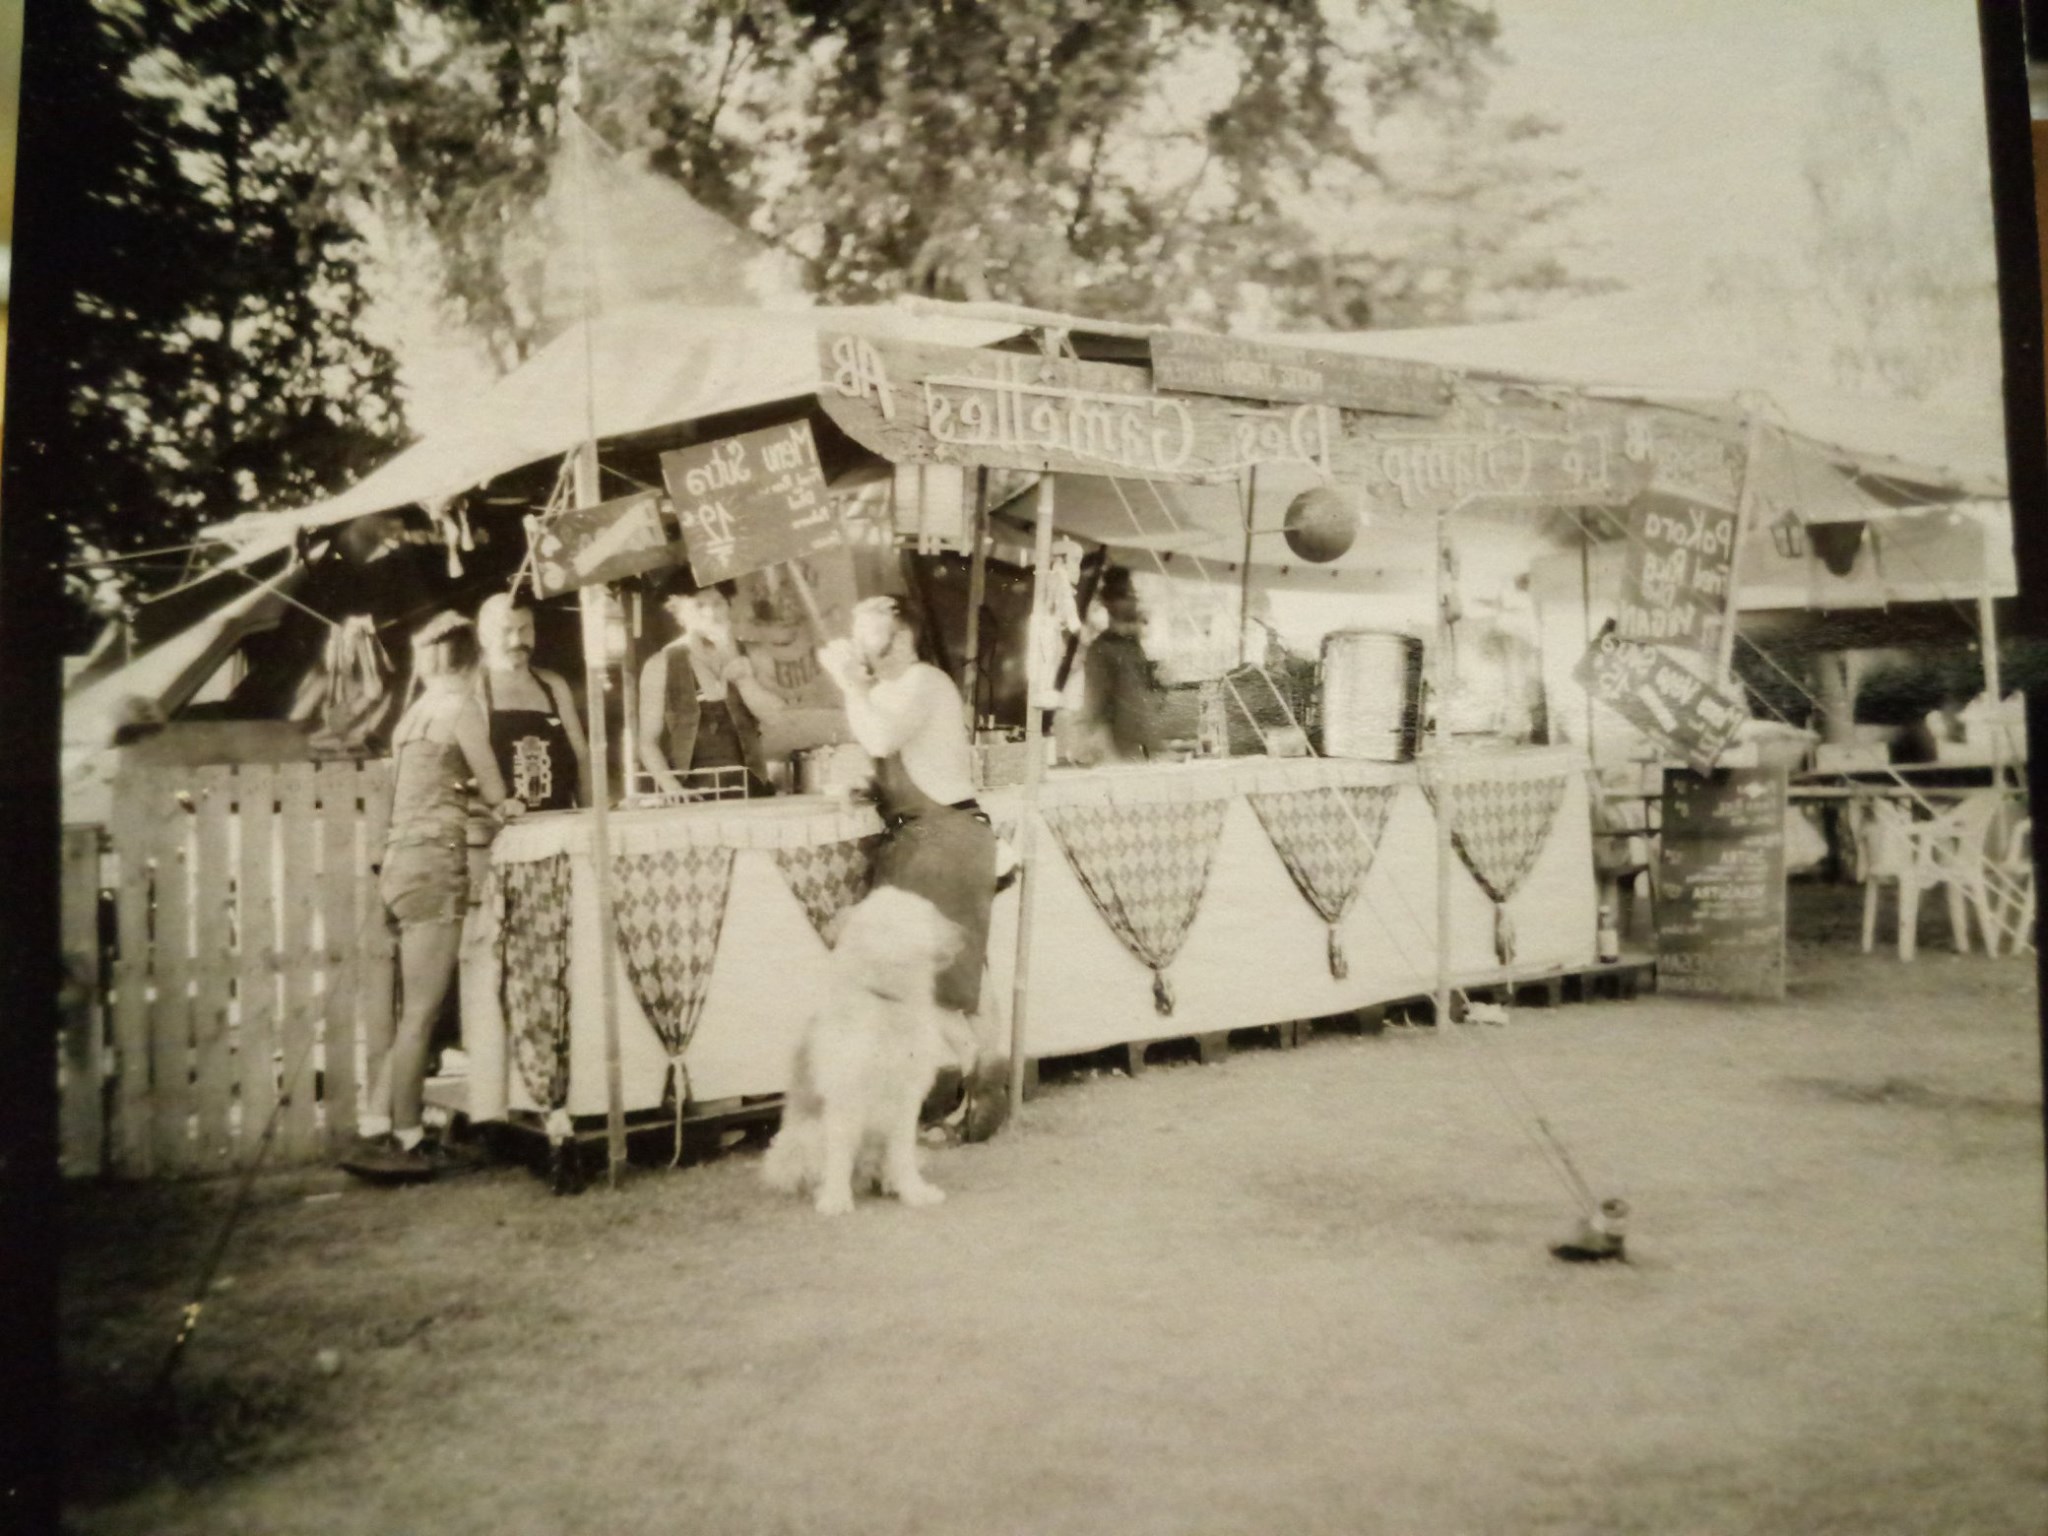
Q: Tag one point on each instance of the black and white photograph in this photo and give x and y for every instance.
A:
(1075, 767)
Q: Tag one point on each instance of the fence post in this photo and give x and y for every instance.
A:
(82, 1125)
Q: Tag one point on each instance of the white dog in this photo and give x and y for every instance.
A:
(868, 1058)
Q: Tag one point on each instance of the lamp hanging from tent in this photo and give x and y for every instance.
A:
(1788, 535)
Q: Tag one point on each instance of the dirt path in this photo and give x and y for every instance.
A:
(1298, 1292)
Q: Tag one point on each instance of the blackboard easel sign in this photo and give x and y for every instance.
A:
(1721, 896)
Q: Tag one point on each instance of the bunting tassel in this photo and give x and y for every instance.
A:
(679, 1085)
(1162, 993)
(1503, 934)
(1340, 963)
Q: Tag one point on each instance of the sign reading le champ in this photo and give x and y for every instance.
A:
(751, 501)
(1721, 878)
(913, 402)
(1257, 370)
(1660, 696)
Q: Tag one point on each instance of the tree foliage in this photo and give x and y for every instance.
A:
(207, 361)
(1201, 159)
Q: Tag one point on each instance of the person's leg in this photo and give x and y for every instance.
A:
(427, 955)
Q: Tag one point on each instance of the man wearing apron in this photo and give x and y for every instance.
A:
(535, 733)
(700, 702)
(909, 717)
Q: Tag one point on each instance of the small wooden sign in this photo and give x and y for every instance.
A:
(611, 540)
(1679, 576)
(1258, 370)
(1721, 891)
(751, 501)
(1657, 692)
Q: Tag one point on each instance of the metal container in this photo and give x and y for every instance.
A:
(1371, 695)
(833, 769)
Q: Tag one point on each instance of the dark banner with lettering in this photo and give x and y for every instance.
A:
(602, 543)
(1721, 884)
(1679, 578)
(1657, 692)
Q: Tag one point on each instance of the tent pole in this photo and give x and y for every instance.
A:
(977, 586)
(629, 698)
(592, 606)
(1987, 638)
(1745, 503)
(1440, 685)
(1027, 818)
(1244, 585)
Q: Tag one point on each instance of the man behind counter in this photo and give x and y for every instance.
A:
(536, 735)
(701, 704)
(1120, 706)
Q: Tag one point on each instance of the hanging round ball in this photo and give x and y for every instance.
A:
(1322, 523)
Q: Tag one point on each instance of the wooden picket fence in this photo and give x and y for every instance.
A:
(227, 962)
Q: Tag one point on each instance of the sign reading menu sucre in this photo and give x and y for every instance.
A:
(1656, 691)
(751, 501)
(1721, 892)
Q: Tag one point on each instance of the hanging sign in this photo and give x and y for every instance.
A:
(917, 403)
(1679, 575)
(1524, 456)
(1657, 692)
(751, 501)
(611, 540)
(1257, 370)
(1688, 458)
(1721, 884)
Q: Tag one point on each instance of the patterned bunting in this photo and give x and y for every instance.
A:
(828, 878)
(1328, 839)
(1145, 866)
(1499, 828)
(668, 909)
(533, 959)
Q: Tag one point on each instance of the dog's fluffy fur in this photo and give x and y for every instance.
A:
(868, 1058)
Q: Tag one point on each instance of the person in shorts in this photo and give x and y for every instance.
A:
(441, 753)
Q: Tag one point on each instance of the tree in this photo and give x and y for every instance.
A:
(1194, 160)
(207, 361)
(1895, 293)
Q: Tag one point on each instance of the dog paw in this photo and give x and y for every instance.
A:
(921, 1193)
(834, 1202)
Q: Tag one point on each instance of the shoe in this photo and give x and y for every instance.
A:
(988, 1100)
(448, 1158)
(381, 1160)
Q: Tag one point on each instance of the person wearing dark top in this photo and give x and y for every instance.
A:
(536, 735)
(701, 704)
(1120, 702)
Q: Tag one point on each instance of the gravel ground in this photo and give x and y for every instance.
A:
(1301, 1291)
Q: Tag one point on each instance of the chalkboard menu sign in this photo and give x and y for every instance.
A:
(1721, 899)
(751, 501)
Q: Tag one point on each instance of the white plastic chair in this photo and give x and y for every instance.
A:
(2005, 897)
(1947, 850)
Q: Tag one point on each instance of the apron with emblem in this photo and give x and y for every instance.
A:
(533, 753)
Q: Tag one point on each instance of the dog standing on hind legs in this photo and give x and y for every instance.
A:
(868, 1058)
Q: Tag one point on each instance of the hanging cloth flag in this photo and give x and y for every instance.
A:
(357, 700)
(532, 900)
(668, 909)
(1328, 839)
(829, 878)
(1499, 827)
(1145, 867)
